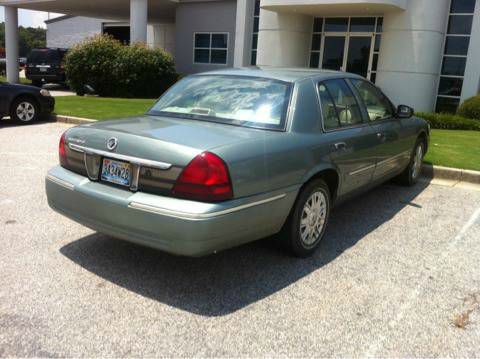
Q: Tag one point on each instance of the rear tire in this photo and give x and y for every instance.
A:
(24, 110)
(411, 174)
(308, 220)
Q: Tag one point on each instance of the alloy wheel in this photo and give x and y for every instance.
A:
(313, 219)
(25, 111)
(417, 162)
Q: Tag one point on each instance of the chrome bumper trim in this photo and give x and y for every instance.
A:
(131, 159)
(61, 182)
(194, 216)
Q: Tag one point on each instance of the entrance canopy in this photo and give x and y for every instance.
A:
(335, 7)
(158, 10)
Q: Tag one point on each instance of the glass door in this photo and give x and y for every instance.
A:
(334, 52)
(359, 54)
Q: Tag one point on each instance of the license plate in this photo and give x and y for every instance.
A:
(116, 172)
(43, 69)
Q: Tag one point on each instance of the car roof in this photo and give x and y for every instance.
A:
(281, 74)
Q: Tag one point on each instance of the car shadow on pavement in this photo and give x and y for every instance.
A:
(226, 282)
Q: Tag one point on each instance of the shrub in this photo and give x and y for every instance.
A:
(115, 70)
(470, 108)
(450, 122)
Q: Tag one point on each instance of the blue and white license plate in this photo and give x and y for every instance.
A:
(116, 172)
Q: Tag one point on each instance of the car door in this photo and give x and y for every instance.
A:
(393, 146)
(4, 99)
(351, 139)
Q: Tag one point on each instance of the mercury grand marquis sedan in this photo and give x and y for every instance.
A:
(228, 157)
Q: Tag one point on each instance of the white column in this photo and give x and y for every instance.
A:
(243, 33)
(138, 20)
(284, 39)
(11, 43)
(411, 53)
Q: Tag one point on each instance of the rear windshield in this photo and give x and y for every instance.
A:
(235, 100)
(45, 56)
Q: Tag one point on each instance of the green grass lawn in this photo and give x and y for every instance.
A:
(101, 108)
(454, 148)
(22, 80)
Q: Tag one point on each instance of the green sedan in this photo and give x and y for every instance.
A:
(229, 157)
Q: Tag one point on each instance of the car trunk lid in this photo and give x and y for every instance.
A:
(158, 148)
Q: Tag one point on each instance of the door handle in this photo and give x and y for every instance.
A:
(340, 146)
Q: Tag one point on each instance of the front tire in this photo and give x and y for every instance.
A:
(37, 83)
(412, 173)
(308, 220)
(24, 111)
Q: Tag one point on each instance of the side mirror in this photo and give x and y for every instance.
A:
(404, 111)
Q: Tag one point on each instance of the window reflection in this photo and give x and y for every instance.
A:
(235, 100)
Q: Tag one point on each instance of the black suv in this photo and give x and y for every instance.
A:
(46, 66)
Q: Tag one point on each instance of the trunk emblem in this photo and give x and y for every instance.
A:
(112, 143)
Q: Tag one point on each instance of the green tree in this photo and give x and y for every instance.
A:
(29, 38)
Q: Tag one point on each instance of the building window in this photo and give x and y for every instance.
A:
(256, 22)
(457, 41)
(349, 44)
(210, 48)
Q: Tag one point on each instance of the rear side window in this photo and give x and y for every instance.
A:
(378, 106)
(330, 117)
(44, 56)
(339, 106)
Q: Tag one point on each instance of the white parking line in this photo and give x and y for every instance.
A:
(376, 346)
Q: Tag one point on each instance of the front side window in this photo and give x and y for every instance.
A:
(346, 105)
(235, 100)
(378, 106)
(210, 48)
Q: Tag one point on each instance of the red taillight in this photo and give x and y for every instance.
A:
(62, 153)
(205, 179)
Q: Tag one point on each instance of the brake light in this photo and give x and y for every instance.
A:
(206, 178)
(62, 153)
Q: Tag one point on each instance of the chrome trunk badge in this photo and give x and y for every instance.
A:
(112, 143)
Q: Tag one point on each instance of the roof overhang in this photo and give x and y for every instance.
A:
(158, 10)
(335, 7)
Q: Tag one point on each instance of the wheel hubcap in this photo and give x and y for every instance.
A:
(417, 162)
(313, 218)
(25, 111)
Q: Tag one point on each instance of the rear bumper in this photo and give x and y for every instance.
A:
(173, 225)
(46, 77)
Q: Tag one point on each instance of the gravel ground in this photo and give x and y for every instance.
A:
(397, 275)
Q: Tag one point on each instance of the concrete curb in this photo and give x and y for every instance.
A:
(429, 171)
(71, 119)
(452, 174)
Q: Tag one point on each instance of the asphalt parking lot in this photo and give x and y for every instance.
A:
(398, 274)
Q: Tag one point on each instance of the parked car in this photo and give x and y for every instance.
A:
(24, 104)
(3, 65)
(228, 157)
(22, 61)
(46, 66)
